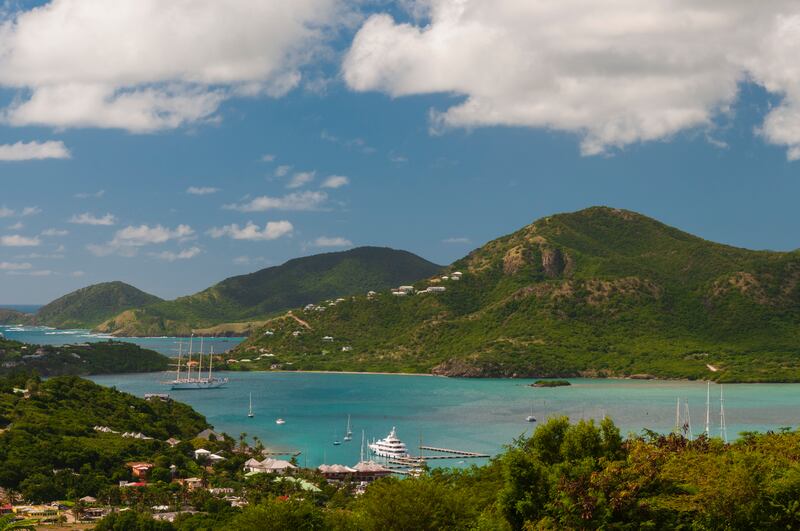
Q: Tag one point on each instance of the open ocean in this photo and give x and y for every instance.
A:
(479, 415)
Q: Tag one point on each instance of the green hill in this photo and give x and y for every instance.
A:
(258, 295)
(107, 357)
(597, 292)
(90, 306)
(8, 317)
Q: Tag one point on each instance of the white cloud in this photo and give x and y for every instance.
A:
(15, 240)
(269, 157)
(90, 195)
(201, 190)
(613, 73)
(77, 274)
(39, 256)
(458, 239)
(294, 201)
(183, 254)
(51, 149)
(325, 241)
(335, 181)
(144, 65)
(271, 231)
(31, 211)
(282, 170)
(54, 232)
(16, 226)
(6, 212)
(14, 266)
(89, 219)
(127, 241)
(34, 273)
(358, 144)
(301, 179)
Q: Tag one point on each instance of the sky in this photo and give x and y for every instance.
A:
(172, 145)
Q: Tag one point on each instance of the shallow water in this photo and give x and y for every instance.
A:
(466, 414)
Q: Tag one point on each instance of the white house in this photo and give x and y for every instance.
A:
(268, 466)
(201, 453)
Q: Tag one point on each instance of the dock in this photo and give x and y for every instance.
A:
(456, 453)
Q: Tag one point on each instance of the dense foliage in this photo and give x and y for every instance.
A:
(256, 295)
(565, 476)
(50, 450)
(104, 357)
(600, 292)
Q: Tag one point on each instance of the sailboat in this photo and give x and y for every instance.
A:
(531, 418)
(348, 436)
(279, 421)
(196, 379)
(250, 411)
(336, 441)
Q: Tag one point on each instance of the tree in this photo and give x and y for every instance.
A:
(9, 522)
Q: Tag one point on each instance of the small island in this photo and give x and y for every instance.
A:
(550, 383)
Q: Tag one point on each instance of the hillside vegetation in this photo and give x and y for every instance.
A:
(107, 357)
(257, 295)
(90, 306)
(599, 292)
(49, 449)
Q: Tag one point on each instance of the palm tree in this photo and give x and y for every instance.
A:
(9, 522)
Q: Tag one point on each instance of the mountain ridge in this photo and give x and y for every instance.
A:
(232, 305)
(601, 291)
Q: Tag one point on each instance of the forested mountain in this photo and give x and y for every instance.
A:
(601, 291)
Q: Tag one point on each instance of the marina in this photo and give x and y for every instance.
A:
(479, 416)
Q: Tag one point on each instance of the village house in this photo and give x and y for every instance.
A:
(140, 470)
(268, 466)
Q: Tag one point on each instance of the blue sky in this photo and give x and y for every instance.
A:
(409, 185)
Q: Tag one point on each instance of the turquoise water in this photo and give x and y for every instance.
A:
(42, 335)
(474, 415)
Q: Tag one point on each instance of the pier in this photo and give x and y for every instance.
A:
(456, 453)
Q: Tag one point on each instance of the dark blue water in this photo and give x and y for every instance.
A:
(24, 308)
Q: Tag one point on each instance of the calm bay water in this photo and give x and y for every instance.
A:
(475, 415)
(42, 335)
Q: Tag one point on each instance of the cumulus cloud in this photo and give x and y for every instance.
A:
(201, 190)
(295, 201)
(54, 232)
(14, 266)
(16, 226)
(16, 240)
(335, 181)
(613, 73)
(282, 170)
(271, 231)
(457, 239)
(145, 65)
(301, 179)
(52, 149)
(183, 254)
(89, 219)
(6, 212)
(326, 241)
(90, 195)
(31, 211)
(126, 241)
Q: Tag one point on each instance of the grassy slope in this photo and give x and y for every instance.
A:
(600, 291)
(92, 305)
(257, 295)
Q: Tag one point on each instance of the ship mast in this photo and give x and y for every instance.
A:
(723, 428)
(708, 410)
(688, 423)
(180, 352)
(210, 362)
(189, 363)
(678, 415)
(200, 365)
